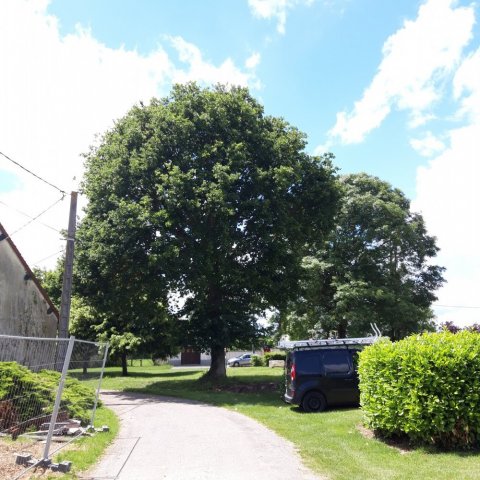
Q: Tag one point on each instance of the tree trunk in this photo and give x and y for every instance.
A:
(85, 364)
(341, 330)
(217, 366)
(124, 364)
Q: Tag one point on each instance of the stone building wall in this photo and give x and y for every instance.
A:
(24, 308)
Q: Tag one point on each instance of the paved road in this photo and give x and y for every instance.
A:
(174, 439)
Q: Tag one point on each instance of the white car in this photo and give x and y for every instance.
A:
(241, 361)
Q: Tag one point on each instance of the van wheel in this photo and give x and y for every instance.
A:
(314, 402)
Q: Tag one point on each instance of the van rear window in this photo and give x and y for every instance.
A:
(336, 361)
(324, 362)
(308, 362)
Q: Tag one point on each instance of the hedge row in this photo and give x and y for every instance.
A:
(425, 387)
(262, 360)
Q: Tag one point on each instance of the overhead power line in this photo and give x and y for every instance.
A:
(457, 306)
(49, 256)
(29, 216)
(34, 218)
(34, 174)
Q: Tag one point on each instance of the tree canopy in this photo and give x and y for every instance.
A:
(201, 196)
(375, 266)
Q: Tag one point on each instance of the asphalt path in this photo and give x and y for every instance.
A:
(175, 439)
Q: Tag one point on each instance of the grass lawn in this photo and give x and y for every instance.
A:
(330, 443)
(84, 452)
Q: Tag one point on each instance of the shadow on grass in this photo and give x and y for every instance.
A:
(404, 445)
(131, 374)
(207, 392)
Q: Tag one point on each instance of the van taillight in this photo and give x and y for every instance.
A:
(293, 373)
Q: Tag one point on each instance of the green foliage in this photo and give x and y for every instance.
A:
(375, 266)
(203, 196)
(51, 281)
(274, 356)
(262, 360)
(425, 387)
(29, 396)
(77, 399)
(33, 394)
(258, 361)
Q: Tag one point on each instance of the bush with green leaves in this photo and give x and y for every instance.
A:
(425, 387)
(32, 395)
(258, 360)
(274, 356)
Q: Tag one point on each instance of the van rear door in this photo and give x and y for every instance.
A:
(340, 380)
(289, 381)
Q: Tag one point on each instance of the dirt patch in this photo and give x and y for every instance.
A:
(8, 451)
(400, 444)
(247, 387)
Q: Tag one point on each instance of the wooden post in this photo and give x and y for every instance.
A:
(68, 270)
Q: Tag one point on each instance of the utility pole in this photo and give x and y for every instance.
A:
(68, 270)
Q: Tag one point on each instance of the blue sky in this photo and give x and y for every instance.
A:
(328, 53)
(391, 88)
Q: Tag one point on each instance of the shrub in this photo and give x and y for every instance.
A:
(25, 395)
(77, 399)
(274, 356)
(20, 389)
(425, 387)
(258, 361)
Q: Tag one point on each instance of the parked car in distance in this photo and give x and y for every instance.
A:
(322, 377)
(244, 360)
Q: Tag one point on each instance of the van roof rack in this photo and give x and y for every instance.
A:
(331, 342)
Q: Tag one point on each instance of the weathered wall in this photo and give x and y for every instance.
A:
(23, 309)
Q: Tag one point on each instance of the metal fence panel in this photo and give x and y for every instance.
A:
(53, 398)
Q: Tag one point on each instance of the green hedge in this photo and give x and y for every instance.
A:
(258, 361)
(274, 356)
(425, 387)
(262, 360)
(25, 395)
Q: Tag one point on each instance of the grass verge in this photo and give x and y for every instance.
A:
(85, 452)
(331, 443)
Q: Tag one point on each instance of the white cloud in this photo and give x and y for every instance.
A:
(57, 92)
(428, 145)
(253, 60)
(466, 81)
(415, 61)
(275, 9)
(449, 198)
(203, 71)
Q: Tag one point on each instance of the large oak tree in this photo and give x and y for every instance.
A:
(203, 197)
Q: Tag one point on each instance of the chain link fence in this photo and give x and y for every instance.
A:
(49, 391)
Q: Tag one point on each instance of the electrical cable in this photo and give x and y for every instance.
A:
(456, 306)
(46, 258)
(29, 216)
(34, 218)
(34, 174)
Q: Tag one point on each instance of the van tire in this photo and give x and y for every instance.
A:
(314, 402)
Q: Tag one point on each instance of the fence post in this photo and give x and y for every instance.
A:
(53, 418)
(92, 420)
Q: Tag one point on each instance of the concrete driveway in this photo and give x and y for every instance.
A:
(175, 439)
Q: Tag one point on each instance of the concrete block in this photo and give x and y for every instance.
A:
(276, 363)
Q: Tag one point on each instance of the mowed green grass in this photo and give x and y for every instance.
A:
(330, 442)
(86, 451)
